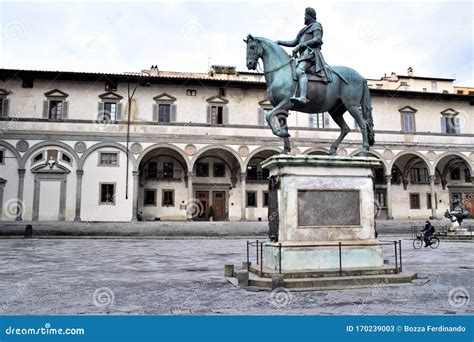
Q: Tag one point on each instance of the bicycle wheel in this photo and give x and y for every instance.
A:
(434, 242)
(417, 243)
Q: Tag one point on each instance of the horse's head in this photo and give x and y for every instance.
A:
(254, 52)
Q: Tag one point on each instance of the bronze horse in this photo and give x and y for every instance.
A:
(348, 91)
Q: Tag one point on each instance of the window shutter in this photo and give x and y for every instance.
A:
(326, 119)
(261, 119)
(457, 125)
(173, 113)
(100, 111)
(65, 109)
(311, 120)
(225, 115)
(119, 112)
(6, 107)
(45, 109)
(443, 125)
(209, 114)
(155, 112)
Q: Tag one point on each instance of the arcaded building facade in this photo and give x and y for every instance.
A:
(164, 146)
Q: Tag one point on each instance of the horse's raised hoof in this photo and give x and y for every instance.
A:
(333, 153)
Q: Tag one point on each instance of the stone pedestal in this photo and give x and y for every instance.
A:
(327, 201)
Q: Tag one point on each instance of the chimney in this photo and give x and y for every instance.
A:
(410, 71)
(393, 77)
(154, 71)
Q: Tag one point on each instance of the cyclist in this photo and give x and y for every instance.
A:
(428, 232)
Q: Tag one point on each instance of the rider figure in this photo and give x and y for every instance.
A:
(428, 232)
(308, 43)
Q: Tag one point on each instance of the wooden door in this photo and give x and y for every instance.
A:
(202, 204)
(218, 205)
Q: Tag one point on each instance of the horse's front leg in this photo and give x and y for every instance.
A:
(282, 110)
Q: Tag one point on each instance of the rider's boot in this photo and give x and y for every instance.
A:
(303, 85)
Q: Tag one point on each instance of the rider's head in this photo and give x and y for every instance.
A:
(309, 15)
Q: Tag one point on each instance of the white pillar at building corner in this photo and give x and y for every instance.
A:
(21, 183)
(243, 178)
(136, 175)
(433, 196)
(79, 174)
(388, 200)
(190, 206)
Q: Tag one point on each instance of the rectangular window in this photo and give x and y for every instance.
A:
(449, 124)
(217, 115)
(434, 85)
(380, 198)
(251, 199)
(408, 122)
(2, 157)
(265, 198)
(107, 193)
(110, 111)
(202, 170)
(264, 113)
(219, 170)
(252, 172)
(108, 158)
(168, 170)
(1, 106)
(191, 92)
(164, 111)
(415, 175)
(317, 120)
(149, 197)
(428, 200)
(55, 109)
(222, 92)
(414, 201)
(168, 198)
(152, 170)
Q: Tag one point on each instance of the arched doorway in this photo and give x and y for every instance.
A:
(163, 183)
(455, 173)
(217, 194)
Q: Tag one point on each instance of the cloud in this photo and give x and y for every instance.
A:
(435, 38)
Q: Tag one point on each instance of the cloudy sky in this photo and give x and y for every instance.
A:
(375, 37)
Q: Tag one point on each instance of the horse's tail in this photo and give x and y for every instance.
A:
(366, 104)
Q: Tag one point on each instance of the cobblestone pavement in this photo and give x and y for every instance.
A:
(185, 276)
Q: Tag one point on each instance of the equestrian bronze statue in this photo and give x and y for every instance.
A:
(305, 83)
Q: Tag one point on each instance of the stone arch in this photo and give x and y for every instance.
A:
(387, 171)
(258, 150)
(106, 144)
(42, 144)
(12, 149)
(415, 153)
(316, 149)
(457, 154)
(172, 147)
(218, 147)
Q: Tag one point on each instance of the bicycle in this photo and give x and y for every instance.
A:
(419, 241)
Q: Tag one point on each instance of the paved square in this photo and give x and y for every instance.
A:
(185, 276)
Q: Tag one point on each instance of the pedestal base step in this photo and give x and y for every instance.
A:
(339, 282)
(266, 272)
